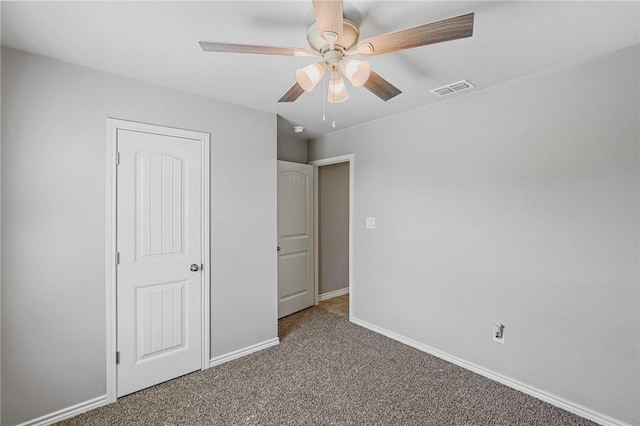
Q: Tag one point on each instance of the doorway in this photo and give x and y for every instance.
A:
(334, 230)
(158, 255)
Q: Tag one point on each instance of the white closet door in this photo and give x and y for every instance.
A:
(159, 234)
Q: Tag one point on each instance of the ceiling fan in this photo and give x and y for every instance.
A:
(335, 39)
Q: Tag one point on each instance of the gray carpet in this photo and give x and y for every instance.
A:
(327, 371)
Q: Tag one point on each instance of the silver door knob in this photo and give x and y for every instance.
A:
(278, 248)
(194, 268)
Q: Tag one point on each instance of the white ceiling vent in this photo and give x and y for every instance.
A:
(458, 86)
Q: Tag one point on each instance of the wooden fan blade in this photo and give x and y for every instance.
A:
(329, 16)
(292, 94)
(247, 48)
(435, 32)
(381, 87)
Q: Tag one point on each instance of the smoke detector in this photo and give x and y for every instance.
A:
(298, 129)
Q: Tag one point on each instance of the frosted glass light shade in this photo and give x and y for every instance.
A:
(309, 76)
(337, 89)
(357, 72)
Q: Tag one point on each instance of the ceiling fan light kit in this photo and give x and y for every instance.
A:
(309, 76)
(357, 72)
(332, 37)
(337, 89)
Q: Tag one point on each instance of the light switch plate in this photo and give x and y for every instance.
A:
(498, 333)
(370, 223)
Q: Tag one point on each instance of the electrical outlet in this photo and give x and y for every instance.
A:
(370, 223)
(498, 333)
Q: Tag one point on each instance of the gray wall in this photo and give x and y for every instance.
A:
(53, 224)
(333, 227)
(515, 204)
(292, 149)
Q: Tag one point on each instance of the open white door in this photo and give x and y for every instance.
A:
(295, 238)
(159, 241)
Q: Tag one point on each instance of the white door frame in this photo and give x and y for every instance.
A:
(348, 158)
(113, 125)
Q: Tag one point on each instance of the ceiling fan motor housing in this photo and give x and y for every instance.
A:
(332, 57)
(349, 39)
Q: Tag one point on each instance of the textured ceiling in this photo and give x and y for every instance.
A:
(158, 42)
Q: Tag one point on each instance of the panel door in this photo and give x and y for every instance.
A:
(159, 227)
(295, 238)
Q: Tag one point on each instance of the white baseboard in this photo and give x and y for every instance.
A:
(221, 359)
(82, 407)
(68, 412)
(570, 406)
(332, 294)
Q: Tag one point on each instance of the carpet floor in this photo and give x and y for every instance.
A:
(327, 371)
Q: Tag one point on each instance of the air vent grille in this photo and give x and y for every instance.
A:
(458, 86)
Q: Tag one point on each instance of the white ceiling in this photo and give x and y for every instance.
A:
(158, 42)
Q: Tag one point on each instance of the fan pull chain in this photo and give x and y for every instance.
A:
(324, 100)
(333, 103)
(333, 124)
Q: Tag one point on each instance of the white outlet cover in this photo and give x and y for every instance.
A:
(370, 223)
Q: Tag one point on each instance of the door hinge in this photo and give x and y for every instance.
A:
(117, 158)
(118, 357)
(117, 258)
